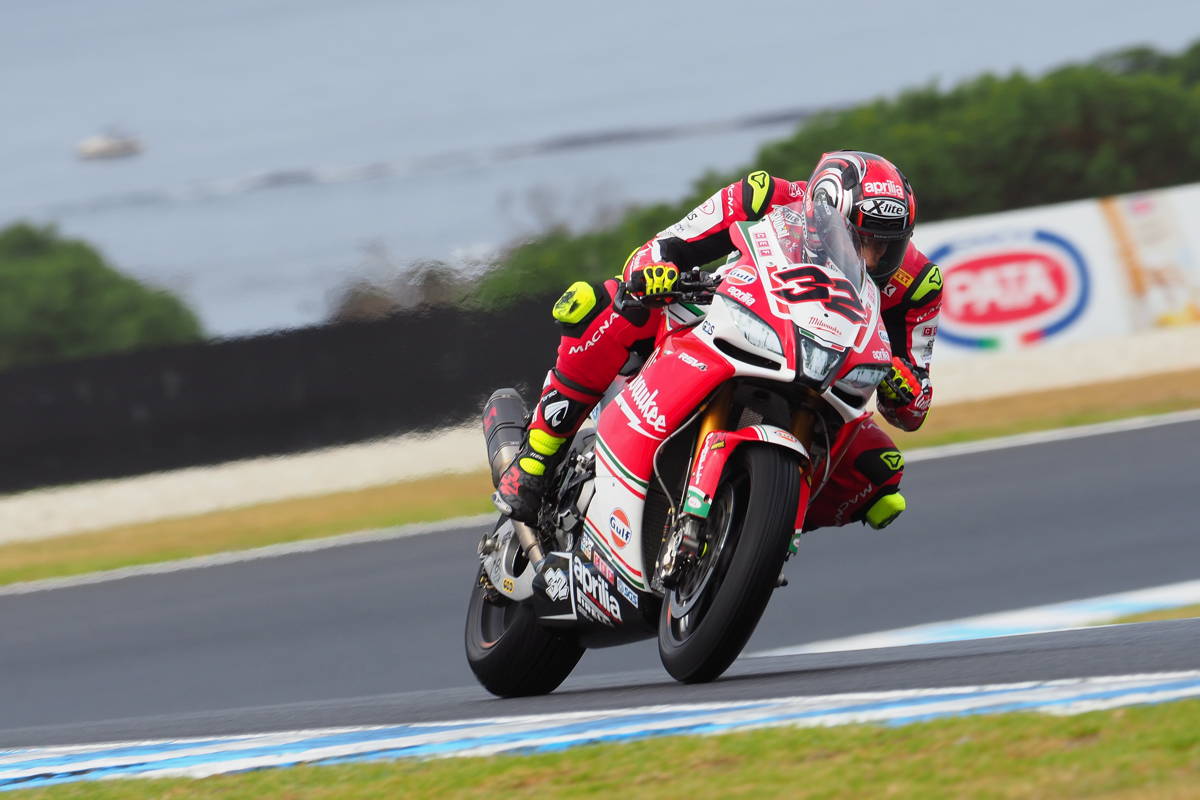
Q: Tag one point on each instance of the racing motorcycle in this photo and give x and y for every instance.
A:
(672, 514)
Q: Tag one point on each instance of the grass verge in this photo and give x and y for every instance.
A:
(448, 496)
(422, 500)
(1181, 612)
(1124, 754)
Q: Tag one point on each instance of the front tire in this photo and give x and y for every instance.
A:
(510, 653)
(708, 617)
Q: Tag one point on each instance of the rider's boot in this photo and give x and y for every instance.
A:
(560, 412)
(883, 512)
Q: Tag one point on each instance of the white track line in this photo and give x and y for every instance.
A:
(1057, 435)
(384, 534)
(1035, 619)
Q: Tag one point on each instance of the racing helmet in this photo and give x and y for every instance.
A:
(874, 196)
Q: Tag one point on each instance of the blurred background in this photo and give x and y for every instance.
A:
(255, 226)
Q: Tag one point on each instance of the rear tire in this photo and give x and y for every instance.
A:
(510, 653)
(707, 619)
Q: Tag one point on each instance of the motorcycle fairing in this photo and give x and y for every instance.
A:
(581, 592)
(575, 586)
(614, 517)
(628, 433)
(553, 591)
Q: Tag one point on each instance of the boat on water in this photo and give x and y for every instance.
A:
(110, 144)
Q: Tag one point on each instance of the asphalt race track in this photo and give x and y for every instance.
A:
(371, 633)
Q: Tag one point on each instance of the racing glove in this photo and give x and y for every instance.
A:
(653, 280)
(900, 386)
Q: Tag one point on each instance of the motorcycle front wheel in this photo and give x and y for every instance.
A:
(708, 617)
(509, 652)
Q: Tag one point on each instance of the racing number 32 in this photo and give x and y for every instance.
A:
(809, 284)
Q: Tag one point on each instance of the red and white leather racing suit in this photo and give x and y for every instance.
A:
(597, 343)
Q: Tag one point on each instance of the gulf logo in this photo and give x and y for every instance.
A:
(618, 526)
(741, 276)
(1017, 287)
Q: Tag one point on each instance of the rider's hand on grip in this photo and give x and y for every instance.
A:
(653, 281)
(901, 385)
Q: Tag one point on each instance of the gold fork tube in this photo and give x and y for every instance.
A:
(802, 426)
(715, 418)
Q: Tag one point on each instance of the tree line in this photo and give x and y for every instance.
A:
(59, 299)
(1122, 122)
(1125, 121)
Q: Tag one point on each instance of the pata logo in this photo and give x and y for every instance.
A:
(1010, 289)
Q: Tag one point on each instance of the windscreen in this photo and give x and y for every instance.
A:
(815, 233)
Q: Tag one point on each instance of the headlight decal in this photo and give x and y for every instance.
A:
(756, 331)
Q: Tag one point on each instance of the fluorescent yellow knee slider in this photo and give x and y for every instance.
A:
(883, 512)
(575, 304)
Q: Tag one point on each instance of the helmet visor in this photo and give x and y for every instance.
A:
(883, 223)
(890, 252)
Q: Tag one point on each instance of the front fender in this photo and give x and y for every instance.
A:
(714, 455)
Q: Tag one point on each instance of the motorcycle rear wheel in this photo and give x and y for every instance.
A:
(510, 653)
(707, 619)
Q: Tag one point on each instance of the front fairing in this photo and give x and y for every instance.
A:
(829, 303)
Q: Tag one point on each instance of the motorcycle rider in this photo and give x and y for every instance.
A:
(601, 327)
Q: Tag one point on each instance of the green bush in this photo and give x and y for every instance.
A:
(1003, 143)
(1124, 122)
(59, 300)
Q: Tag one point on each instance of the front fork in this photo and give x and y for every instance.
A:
(686, 543)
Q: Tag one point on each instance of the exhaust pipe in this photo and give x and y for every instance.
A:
(503, 430)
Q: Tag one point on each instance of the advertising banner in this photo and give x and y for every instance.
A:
(1026, 278)
(1158, 254)
(1090, 269)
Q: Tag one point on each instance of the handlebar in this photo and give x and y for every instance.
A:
(693, 286)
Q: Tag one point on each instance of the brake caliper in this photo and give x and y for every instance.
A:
(681, 547)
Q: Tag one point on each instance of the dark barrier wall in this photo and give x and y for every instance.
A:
(312, 387)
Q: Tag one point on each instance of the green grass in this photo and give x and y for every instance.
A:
(1137, 752)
